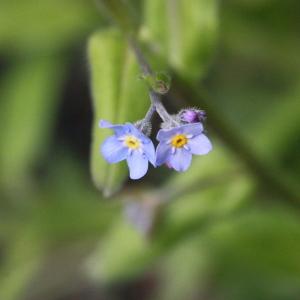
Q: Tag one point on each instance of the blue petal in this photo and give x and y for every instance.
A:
(194, 129)
(119, 129)
(163, 151)
(180, 160)
(145, 139)
(133, 130)
(149, 150)
(166, 134)
(200, 145)
(113, 150)
(105, 124)
(137, 164)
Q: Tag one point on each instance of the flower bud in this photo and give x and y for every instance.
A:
(192, 115)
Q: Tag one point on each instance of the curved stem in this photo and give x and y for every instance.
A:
(147, 71)
(219, 124)
(145, 67)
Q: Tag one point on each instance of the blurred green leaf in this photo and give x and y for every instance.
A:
(184, 271)
(118, 96)
(62, 218)
(72, 210)
(276, 129)
(120, 255)
(184, 33)
(180, 220)
(30, 94)
(27, 26)
(251, 255)
(255, 255)
(22, 261)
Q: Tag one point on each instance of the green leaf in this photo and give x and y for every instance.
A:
(180, 221)
(118, 96)
(30, 96)
(252, 255)
(27, 26)
(107, 263)
(184, 32)
(22, 261)
(255, 255)
(57, 227)
(186, 269)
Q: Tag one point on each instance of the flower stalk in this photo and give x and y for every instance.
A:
(150, 76)
(220, 126)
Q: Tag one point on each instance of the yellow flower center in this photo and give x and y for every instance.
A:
(132, 142)
(179, 140)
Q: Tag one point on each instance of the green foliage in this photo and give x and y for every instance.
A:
(28, 26)
(30, 97)
(247, 256)
(255, 255)
(63, 215)
(189, 211)
(217, 233)
(118, 97)
(160, 82)
(184, 32)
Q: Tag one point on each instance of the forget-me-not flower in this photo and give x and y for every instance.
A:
(177, 145)
(131, 144)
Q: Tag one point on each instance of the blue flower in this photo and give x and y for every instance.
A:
(176, 145)
(131, 144)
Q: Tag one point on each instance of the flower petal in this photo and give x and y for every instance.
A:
(133, 130)
(180, 160)
(105, 124)
(200, 145)
(113, 150)
(137, 164)
(149, 150)
(163, 151)
(166, 134)
(119, 129)
(194, 128)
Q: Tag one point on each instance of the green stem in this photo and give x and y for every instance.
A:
(147, 71)
(121, 13)
(123, 17)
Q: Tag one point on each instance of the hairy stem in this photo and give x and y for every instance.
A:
(147, 71)
(120, 12)
(217, 122)
(145, 67)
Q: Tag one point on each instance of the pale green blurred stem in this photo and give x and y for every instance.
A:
(121, 14)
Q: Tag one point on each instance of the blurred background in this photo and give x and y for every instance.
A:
(229, 228)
